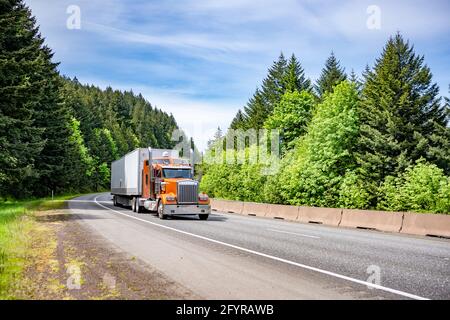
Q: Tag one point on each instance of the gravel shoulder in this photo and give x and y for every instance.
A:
(68, 261)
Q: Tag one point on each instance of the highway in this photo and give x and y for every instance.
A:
(240, 257)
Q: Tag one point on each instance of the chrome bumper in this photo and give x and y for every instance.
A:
(186, 209)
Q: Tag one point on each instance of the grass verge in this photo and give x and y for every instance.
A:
(16, 226)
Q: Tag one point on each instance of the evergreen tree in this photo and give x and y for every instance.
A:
(331, 75)
(256, 111)
(80, 164)
(294, 78)
(29, 86)
(439, 147)
(238, 121)
(261, 104)
(273, 86)
(282, 76)
(291, 116)
(51, 163)
(353, 77)
(400, 112)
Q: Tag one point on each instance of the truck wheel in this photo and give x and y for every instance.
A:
(133, 204)
(139, 209)
(203, 216)
(161, 214)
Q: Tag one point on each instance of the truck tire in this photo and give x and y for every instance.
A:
(139, 209)
(133, 204)
(161, 214)
(203, 216)
(114, 201)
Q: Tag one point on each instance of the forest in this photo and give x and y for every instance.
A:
(379, 140)
(56, 134)
(376, 141)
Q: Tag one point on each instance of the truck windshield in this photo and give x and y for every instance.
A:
(177, 173)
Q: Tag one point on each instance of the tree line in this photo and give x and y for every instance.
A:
(379, 141)
(57, 134)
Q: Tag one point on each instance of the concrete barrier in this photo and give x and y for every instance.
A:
(255, 209)
(426, 224)
(217, 205)
(328, 216)
(370, 219)
(227, 206)
(283, 212)
(408, 223)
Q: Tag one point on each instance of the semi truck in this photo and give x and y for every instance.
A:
(158, 180)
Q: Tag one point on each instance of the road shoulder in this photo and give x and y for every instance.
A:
(69, 261)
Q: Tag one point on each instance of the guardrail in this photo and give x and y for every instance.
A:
(404, 222)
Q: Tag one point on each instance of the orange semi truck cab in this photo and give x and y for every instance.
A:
(158, 180)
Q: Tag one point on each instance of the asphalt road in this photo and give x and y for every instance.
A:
(238, 257)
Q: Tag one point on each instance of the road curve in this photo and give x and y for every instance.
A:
(238, 257)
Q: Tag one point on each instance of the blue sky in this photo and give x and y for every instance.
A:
(202, 60)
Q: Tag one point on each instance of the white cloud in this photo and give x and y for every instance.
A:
(180, 40)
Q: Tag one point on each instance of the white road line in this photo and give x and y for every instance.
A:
(329, 273)
(295, 233)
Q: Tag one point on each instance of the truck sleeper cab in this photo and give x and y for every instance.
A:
(162, 182)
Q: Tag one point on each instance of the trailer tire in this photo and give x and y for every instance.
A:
(133, 204)
(114, 201)
(161, 214)
(203, 216)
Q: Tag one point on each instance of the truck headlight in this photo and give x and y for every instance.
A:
(203, 197)
(170, 198)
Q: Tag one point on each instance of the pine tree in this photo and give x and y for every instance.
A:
(25, 69)
(50, 113)
(331, 75)
(291, 116)
(261, 104)
(354, 78)
(51, 163)
(400, 112)
(238, 121)
(256, 111)
(439, 147)
(282, 76)
(273, 86)
(294, 78)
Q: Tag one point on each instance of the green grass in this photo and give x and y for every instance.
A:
(16, 222)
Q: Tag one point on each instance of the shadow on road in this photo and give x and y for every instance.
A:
(64, 217)
(194, 217)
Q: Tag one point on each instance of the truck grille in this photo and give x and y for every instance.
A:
(187, 191)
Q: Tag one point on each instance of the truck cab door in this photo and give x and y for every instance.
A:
(158, 177)
(146, 181)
